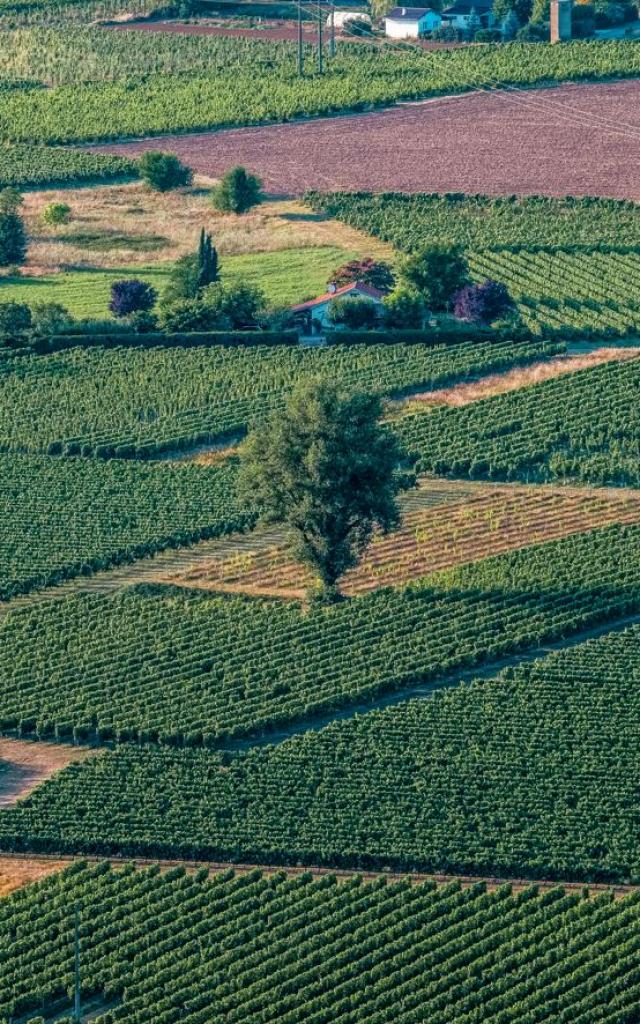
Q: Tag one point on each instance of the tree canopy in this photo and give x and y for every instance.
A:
(329, 471)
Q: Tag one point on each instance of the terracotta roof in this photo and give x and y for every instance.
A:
(363, 289)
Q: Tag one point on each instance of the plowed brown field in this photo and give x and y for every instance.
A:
(473, 522)
(570, 140)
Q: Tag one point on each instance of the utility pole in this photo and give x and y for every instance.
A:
(320, 53)
(76, 980)
(300, 46)
(332, 37)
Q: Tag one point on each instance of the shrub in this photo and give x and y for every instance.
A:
(237, 191)
(235, 306)
(402, 309)
(15, 322)
(56, 213)
(183, 316)
(354, 313)
(131, 297)
(376, 273)
(483, 303)
(163, 171)
(49, 318)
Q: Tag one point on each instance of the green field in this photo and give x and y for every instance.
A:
(173, 947)
(165, 665)
(139, 402)
(108, 85)
(568, 263)
(533, 773)
(584, 426)
(70, 517)
(287, 276)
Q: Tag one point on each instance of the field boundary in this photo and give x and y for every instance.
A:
(618, 890)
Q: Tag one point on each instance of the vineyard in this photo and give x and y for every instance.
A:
(541, 249)
(139, 402)
(583, 426)
(156, 664)
(258, 949)
(488, 778)
(49, 165)
(469, 526)
(71, 517)
(112, 85)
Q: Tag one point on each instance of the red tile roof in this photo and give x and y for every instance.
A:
(363, 289)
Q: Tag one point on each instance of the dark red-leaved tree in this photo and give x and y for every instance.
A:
(377, 273)
(482, 303)
(131, 297)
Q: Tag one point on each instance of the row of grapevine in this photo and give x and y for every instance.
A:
(595, 291)
(531, 774)
(261, 950)
(486, 223)
(137, 402)
(583, 426)
(69, 517)
(33, 166)
(164, 665)
(119, 100)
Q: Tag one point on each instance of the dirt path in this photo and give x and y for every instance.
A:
(18, 871)
(43, 862)
(520, 377)
(24, 765)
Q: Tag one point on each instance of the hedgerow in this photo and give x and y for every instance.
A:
(163, 665)
(172, 946)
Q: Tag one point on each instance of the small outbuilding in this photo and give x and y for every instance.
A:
(411, 22)
(341, 19)
(314, 314)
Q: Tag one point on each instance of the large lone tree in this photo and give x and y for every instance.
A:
(329, 471)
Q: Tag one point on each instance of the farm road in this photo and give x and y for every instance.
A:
(498, 143)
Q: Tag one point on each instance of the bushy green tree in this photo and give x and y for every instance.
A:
(163, 172)
(15, 322)
(13, 237)
(436, 273)
(357, 313)
(237, 191)
(327, 470)
(55, 214)
(377, 273)
(219, 307)
(404, 309)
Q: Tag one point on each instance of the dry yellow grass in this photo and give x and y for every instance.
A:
(520, 377)
(16, 872)
(27, 764)
(474, 522)
(115, 225)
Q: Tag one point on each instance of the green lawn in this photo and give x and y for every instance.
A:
(287, 276)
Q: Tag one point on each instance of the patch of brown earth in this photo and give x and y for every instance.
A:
(24, 765)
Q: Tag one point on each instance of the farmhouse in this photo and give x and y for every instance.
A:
(411, 22)
(315, 312)
(469, 14)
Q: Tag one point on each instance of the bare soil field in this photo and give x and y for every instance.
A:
(475, 522)
(503, 142)
(24, 765)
